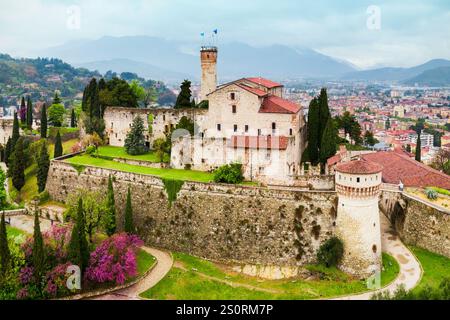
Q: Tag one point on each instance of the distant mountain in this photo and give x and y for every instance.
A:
(437, 77)
(235, 59)
(395, 74)
(143, 69)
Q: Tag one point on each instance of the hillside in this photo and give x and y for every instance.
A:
(438, 77)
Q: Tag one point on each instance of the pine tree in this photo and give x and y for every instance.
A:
(418, 149)
(135, 140)
(184, 98)
(29, 113)
(16, 132)
(44, 122)
(313, 132)
(56, 98)
(110, 214)
(328, 143)
(78, 249)
(38, 254)
(8, 151)
(58, 146)
(43, 166)
(5, 254)
(18, 165)
(129, 226)
(23, 111)
(72, 119)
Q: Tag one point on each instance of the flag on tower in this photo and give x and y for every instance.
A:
(202, 34)
(215, 31)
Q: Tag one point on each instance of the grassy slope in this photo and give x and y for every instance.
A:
(188, 175)
(435, 267)
(144, 261)
(14, 232)
(119, 152)
(181, 284)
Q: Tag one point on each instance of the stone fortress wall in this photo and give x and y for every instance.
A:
(6, 128)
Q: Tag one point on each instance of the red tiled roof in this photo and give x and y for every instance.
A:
(264, 82)
(333, 160)
(258, 92)
(359, 167)
(398, 167)
(259, 142)
(274, 104)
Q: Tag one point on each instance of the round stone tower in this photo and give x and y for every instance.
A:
(358, 217)
(208, 57)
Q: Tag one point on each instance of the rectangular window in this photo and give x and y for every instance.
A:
(112, 124)
(233, 108)
(235, 128)
(274, 127)
(219, 127)
(290, 132)
(246, 128)
(259, 132)
(357, 180)
(233, 96)
(164, 117)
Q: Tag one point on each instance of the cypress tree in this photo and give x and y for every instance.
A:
(129, 226)
(38, 254)
(78, 250)
(8, 150)
(43, 166)
(72, 119)
(184, 98)
(23, 111)
(29, 113)
(313, 132)
(58, 146)
(328, 144)
(418, 148)
(18, 165)
(44, 122)
(110, 214)
(324, 112)
(16, 131)
(56, 98)
(5, 254)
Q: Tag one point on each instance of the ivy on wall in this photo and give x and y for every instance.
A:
(172, 188)
(150, 124)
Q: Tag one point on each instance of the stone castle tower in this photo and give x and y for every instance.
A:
(208, 57)
(358, 216)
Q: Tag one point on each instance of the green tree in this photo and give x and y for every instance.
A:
(18, 165)
(138, 91)
(324, 112)
(162, 148)
(16, 132)
(44, 122)
(418, 148)
(388, 124)
(135, 140)
(330, 252)
(38, 253)
(110, 214)
(43, 164)
(118, 92)
(5, 254)
(3, 194)
(313, 131)
(56, 114)
(329, 141)
(58, 146)
(184, 98)
(186, 124)
(129, 225)
(8, 151)
(369, 139)
(23, 111)
(73, 119)
(29, 113)
(78, 249)
(56, 98)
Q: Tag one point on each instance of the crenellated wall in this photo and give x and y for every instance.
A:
(242, 224)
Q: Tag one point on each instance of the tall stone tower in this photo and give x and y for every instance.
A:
(358, 216)
(208, 57)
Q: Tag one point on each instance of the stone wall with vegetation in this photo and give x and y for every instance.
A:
(418, 223)
(221, 222)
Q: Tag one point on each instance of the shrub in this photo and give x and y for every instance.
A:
(230, 173)
(431, 194)
(330, 252)
(114, 260)
(91, 149)
(427, 293)
(440, 190)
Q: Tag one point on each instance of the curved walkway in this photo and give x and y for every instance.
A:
(164, 262)
(410, 268)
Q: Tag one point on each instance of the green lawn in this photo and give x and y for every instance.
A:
(178, 174)
(435, 268)
(185, 283)
(119, 152)
(144, 261)
(14, 232)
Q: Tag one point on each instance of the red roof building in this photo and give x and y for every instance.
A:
(359, 167)
(264, 82)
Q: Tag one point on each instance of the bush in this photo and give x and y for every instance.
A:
(431, 194)
(330, 252)
(230, 173)
(91, 149)
(440, 190)
(427, 293)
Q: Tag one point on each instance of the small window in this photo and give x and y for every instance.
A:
(232, 96)
(219, 127)
(112, 124)
(274, 126)
(164, 117)
(259, 132)
(290, 132)
(358, 180)
(233, 108)
(235, 127)
(246, 128)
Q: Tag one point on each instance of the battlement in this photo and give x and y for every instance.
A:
(208, 49)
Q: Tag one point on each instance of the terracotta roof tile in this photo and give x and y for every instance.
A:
(258, 92)
(274, 104)
(359, 167)
(264, 82)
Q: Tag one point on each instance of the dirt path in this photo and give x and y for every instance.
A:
(410, 269)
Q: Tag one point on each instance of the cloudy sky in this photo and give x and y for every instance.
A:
(366, 33)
